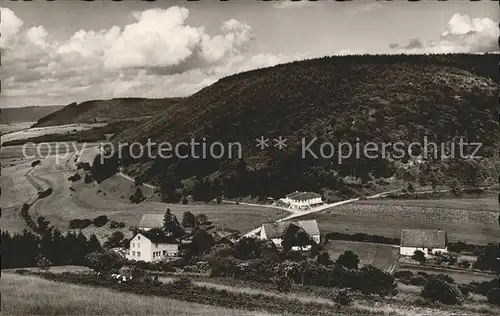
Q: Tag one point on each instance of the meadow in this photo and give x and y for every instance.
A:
(29, 295)
(468, 225)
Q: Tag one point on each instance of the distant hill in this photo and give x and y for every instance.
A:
(27, 113)
(371, 98)
(97, 111)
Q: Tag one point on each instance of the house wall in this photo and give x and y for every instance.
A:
(409, 251)
(140, 244)
(166, 250)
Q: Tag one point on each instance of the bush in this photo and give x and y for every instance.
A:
(113, 225)
(372, 280)
(121, 225)
(438, 290)
(464, 264)
(403, 274)
(100, 221)
(79, 223)
(284, 284)
(494, 296)
(450, 258)
(445, 278)
(418, 280)
(418, 256)
(343, 298)
(466, 289)
(348, 260)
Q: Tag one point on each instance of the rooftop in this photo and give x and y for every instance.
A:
(277, 230)
(151, 221)
(158, 238)
(301, 196)
(424, 238)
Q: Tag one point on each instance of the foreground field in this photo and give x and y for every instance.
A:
(80, 200)
(471, 226)
(27, 295)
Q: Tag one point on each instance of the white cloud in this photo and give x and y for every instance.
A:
(158, 55)
(287, 4)
(463, 35)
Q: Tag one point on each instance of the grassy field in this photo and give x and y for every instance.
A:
(28, 295)
(383, 256)
(482, 204)
(475, 227)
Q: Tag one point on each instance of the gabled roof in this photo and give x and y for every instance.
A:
(151, 220)
(310, 226)
(158, 238)
(301, 196)
(277, 230)
(424, 238)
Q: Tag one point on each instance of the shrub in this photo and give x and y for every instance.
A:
(100, 221)
(403, 274)
(284, 284)
(137, 196)
(450, 258)
(418, 280)
(121, 225)
(494, 296)
(343, 298)
(74, 177)
(79, 223)
(348, 260)
(466, 289)
(35, 163)
(372, 280)
(113, 225)
(418, 256)
(438, 290)
(464, 264)
(445, 278)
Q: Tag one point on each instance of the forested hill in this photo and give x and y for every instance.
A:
(96, 111)
(371, 98)
(27, 113)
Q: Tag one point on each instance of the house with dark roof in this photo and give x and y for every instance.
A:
(151, 246)
(429, 241)
(302, 200)
(276, 231)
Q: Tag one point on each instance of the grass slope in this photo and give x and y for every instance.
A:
(28, 295)
(106, 110)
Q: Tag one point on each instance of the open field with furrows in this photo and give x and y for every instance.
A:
(471, 226)
(382, 256)
(27, 295)
(482, 204)
(40, 131)
(80, 200)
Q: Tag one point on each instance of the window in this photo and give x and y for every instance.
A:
(164, 252)
(133, 253)
(138, 245)
(138, 237)
(133, 245)
(138, 253)
(154, 254)
(156, 245)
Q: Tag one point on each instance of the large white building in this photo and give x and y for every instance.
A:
(429, 241)
(276, 231)
(152, 247)
(302, 200)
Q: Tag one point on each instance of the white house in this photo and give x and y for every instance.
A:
(429, 241)
(151, 247)
(149, 221)
(276, 231)
(302, 200)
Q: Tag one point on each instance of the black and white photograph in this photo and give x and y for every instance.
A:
(263, 158)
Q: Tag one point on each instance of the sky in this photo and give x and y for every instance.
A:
(71, 51)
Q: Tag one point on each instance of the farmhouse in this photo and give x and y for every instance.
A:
(150, 247)
(429, 241)
(276, 231)
(150, 221)
(302, 200)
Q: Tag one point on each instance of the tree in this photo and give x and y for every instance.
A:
(410, 188)
(456, 188)
(115, 240)
(348, 260)
(93, 245)
(43, 225)
(284, 284)
(438, 290)
(100, 220)
(188, 220)
(418, 256)
(43, 263)
(137, 197)
(104, 262)
(201, 219)
(171, 225)
(324, 259)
